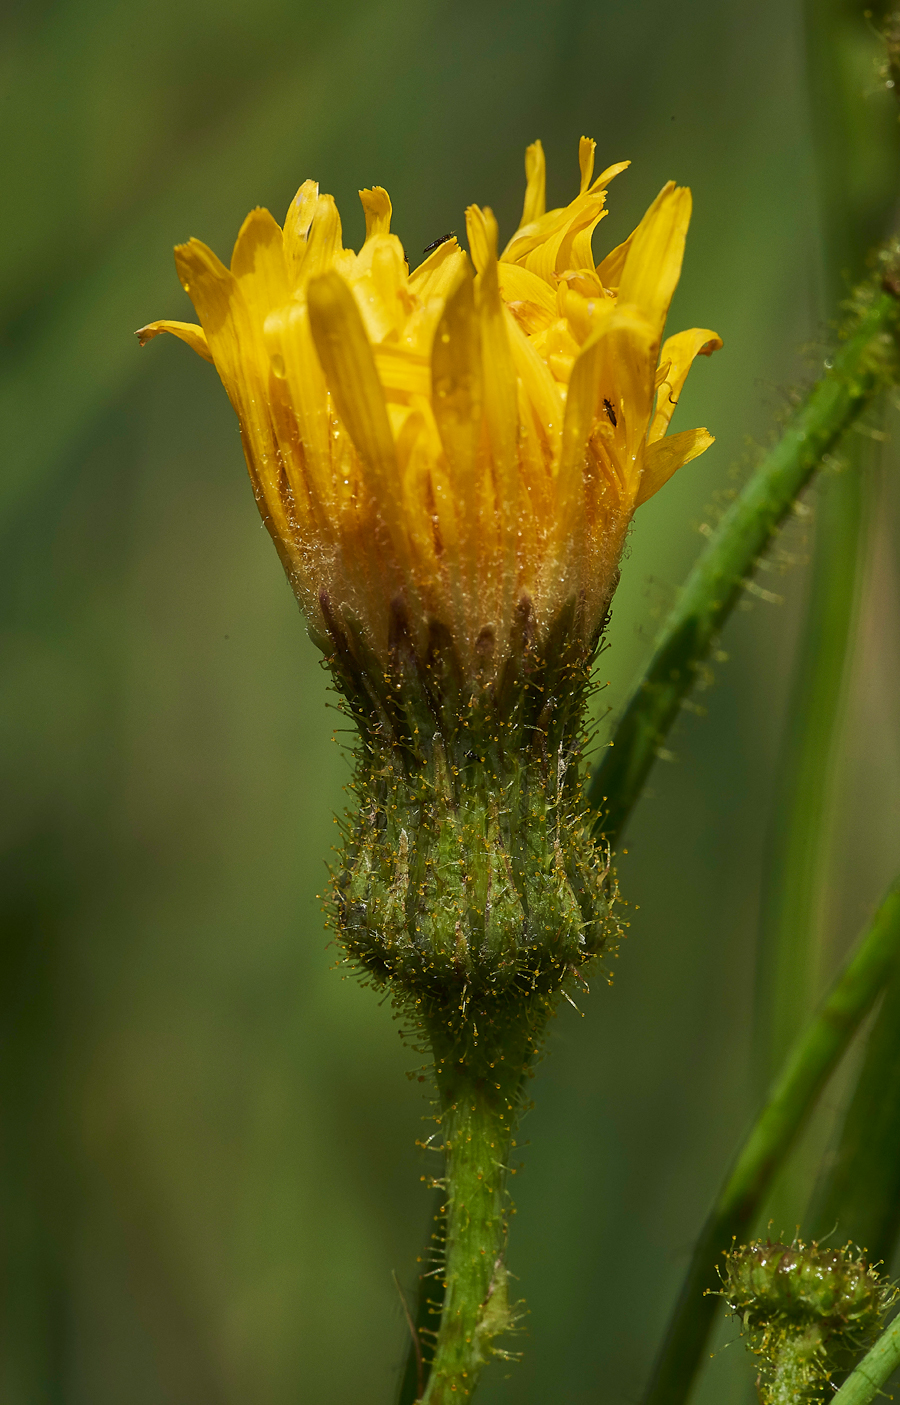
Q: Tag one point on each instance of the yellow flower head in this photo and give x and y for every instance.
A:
(459, 448)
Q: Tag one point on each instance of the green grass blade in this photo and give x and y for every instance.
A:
(813, 1058)
(859, 1196)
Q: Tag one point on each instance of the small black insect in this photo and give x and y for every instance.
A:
(430, 248)
(610, 413)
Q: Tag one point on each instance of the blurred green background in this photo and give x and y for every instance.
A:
(207, 1159)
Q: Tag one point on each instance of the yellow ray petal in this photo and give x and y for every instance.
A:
(666, 456)
(349, 366)
(555, 254)
(608, 175)
(324, 242)
(239, 355)
(626, 360)
(402, 374)
(380, 283)
(376, 204)
(518, 284)
(679, 352)
(609, 270)
(457, 390)
(437, 274)
(293, 358)
(416, 456)
(576, 253)
(477, 235)
(653, 263)
(259, 265)
(212, 289)
(537, 388)
(546, 245)
(583, 281)
(188, 332)
(580, 414)
(586, 149)
(296, 225)
(535, 190)
(500, 399)
(538, 246)
(581, 310)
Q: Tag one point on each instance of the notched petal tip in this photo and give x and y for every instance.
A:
(482, 232)
(376, 205)
(300, 211)
(536, 187)
(586, 149)
(188, 332)
(605, 177)
(259, 236)
(195, 260)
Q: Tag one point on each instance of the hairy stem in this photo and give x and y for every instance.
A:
(876, 1367)
(795, 1367)
(811, 1061)
(715, 584)
(479, 1075)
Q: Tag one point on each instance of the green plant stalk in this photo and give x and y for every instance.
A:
(876, 1367)
(789, 949)
(860, 369)
(792, 1369)
(859, 1195)
(479, 1085)
(859, 1188)
(793, 1095)
(844, 128)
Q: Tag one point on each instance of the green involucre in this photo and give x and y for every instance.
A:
(469, 871)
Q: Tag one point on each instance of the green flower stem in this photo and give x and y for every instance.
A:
(791, 1380)
(859, 371)
(876, 1367)
(479, 1076)
(793, 1095)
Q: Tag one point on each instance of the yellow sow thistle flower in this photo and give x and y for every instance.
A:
(453, 441)
(448, 461)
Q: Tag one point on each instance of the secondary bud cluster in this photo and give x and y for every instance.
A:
(806, 1312)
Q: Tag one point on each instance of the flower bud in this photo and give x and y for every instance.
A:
(806, 1312)
(448, 460)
